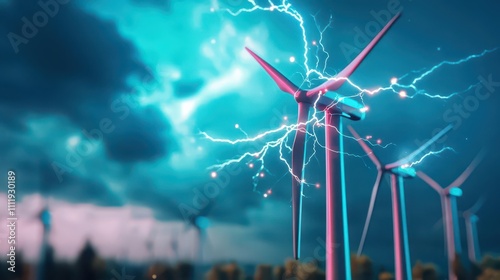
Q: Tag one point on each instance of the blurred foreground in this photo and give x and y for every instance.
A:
(89, 266)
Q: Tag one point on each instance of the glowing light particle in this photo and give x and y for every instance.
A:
(379, 141)
(269, 192)
(368, 137)
(250, 165)
(365, 109)
(213, 174)
(236, 126)
(265, 195)
(285, 118)
(394, 80)
(292, 59)
(403, 94)
(262, 175)
(153, 276)
(73, 141)
(317, 185)
(314, 43)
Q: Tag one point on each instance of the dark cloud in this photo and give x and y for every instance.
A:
(74, 188)
(76, 65)
(146, 131)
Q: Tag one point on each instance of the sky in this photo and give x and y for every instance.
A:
(104, 106)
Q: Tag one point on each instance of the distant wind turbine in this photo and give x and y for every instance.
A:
(200, 223)
(45, 219)
(399, 170)
(450, 212)
(471, 228)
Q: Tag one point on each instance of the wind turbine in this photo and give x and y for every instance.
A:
(45, 219)
(337, 255)
(200, 223)
(471, 228)
(449, 208)
(398, 170)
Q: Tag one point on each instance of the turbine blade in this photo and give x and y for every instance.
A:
(433, 184)
(370, 211)
(339, 79)
(365, 147)
(473, 210)
(422, 148)
(472, 166)
(283, 83)
(298, 156)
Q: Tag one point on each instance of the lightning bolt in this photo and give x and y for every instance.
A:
(283, 132)
(431, 153)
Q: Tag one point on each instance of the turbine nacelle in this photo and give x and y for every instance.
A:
(474, 219)
(202, 223)
(454, 191)
(332, 103)
(404, 171)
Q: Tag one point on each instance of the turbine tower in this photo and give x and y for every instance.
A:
(335, 107)
(471, 227)
(398, 171)
(449, 208)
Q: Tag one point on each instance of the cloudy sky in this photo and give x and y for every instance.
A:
(104, 104)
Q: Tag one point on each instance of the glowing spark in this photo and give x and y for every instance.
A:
(317, 185)
(250, 165)
(292, 59)
(394, 80)
(265, 195)
(379, 141)
(236, 126)
(403, 94)
(73, 141)
(213, 174)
